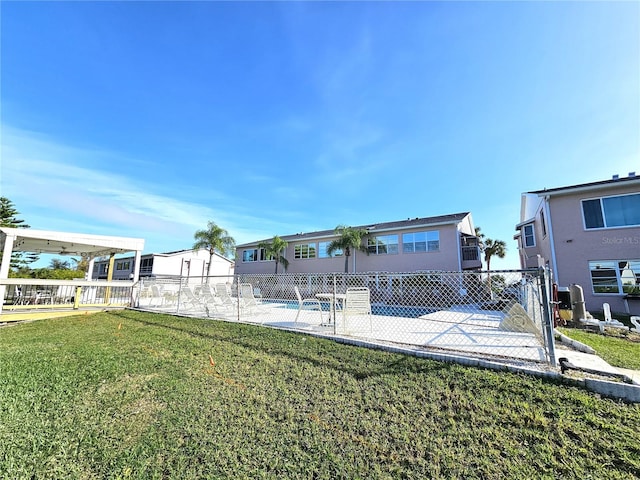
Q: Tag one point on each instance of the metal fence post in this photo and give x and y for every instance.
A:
(179, 295)
(548, 317)
(76, 300)
(332, 306)
(236, 281)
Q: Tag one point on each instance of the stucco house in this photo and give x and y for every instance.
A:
(589, 235)
(185, 263)
(445, 242)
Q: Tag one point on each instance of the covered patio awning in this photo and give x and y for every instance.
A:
(64, 243)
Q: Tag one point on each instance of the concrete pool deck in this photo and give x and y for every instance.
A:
(472, 332)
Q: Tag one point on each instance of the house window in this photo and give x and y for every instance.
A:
(250, 255)
(629, 276)
(615, 276)
(543, 225)
(304, 251)
(383, 245)
(146, 266)
(322, 250)
(610, 212)
(255, 255)
(421, 242)
(529, 237)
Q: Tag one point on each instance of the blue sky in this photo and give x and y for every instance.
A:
(148, 119)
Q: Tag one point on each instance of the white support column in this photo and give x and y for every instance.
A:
(5, 264)
(136, 269)
(89, 275)
(6, 256)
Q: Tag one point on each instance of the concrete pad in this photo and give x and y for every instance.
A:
(586, 360)
(634, 375)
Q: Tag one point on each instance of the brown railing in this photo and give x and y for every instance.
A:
(470, 254)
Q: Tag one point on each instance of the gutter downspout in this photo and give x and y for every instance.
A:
(552, 244)
(459, 248)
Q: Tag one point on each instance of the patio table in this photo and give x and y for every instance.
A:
(332, 298)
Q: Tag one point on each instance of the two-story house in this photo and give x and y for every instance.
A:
(181, 263)
(446, 243)
(589, 235)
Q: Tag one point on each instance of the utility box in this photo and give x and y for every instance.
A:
(564, 304)
(577, 303)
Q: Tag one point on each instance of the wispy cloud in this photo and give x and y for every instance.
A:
(56, 187)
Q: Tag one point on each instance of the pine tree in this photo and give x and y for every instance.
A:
(9, 218)
(8, 215)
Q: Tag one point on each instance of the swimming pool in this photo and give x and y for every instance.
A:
(376, 309)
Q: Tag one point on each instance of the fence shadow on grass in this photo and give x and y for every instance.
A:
(340, 359)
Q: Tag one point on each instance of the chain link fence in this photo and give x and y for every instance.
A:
(489, 314)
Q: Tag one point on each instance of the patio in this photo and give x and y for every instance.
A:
(21, 297)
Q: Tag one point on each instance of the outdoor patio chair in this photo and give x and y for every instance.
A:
(19, 297)
(247, 300)
(158, 298)
(608, 321)
(213, 303)
(357, 303)
(188, 299)
(64, 294)
(636, 322)
(312, 304)
(144, 297)
(222, 291)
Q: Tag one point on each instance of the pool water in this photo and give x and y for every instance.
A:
(376, 309)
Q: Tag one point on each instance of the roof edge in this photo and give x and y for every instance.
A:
(453, 218)
(588, 186)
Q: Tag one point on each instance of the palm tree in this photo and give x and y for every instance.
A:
(350, 238)
(274, 249)
(492, 248)
(214, 239)
(481, 236)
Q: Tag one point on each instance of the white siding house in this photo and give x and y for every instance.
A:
(185, 263)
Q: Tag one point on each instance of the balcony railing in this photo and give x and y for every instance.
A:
(470, 254)
(471, 257)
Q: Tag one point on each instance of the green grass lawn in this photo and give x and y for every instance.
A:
(137, 395)
(620, 351)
